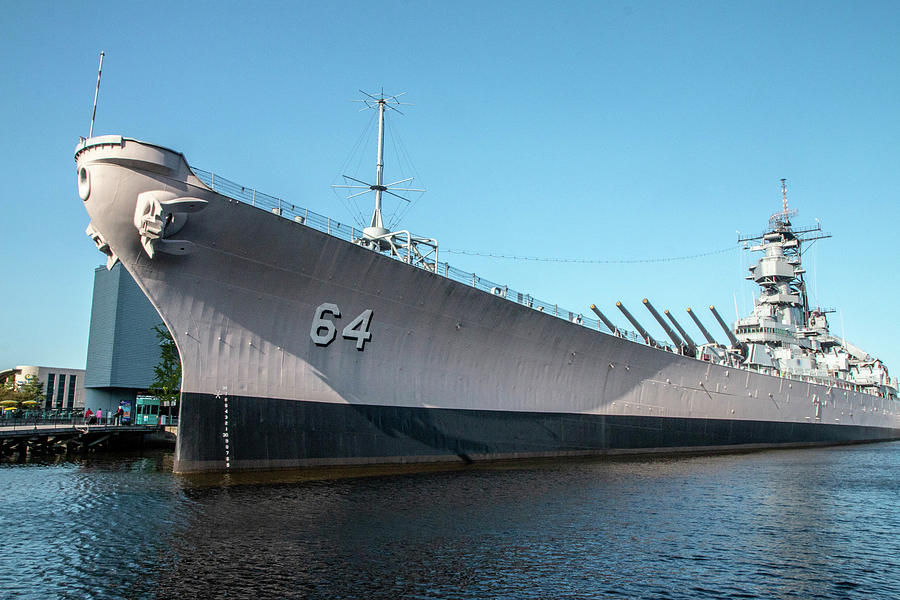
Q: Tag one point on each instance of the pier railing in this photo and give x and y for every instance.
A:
(37, 418)
(27, 418)
(349, 233)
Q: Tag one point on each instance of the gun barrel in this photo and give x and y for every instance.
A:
(681, 330)
(734, 341)
(700, 326)
(679, 343)
(603, 318)
(640, 330)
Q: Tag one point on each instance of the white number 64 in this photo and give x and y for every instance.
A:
(322, 331)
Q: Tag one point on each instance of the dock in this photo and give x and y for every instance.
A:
(67, 437)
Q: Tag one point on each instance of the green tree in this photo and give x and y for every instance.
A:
(7, 389)
(167, 384)
(9, 395)
(15, 396)
(33, 390)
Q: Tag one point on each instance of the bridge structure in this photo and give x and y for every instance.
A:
(36, 437)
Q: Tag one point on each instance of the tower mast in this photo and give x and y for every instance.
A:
(784, 195)
(376, 229)
(377, 221)
(413, 249)
(96, 93)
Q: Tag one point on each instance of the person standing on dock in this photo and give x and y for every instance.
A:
(100, 416)
(87, 416)
(118, 416)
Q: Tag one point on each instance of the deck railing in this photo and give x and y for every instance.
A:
(350, 233)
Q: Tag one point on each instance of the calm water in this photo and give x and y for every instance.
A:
(819, 523)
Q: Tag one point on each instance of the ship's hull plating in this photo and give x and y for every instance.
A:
(267, 433)
(438, 371)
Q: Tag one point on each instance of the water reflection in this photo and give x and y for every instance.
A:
(805, 524)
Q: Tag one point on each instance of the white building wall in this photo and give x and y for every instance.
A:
(66, 395)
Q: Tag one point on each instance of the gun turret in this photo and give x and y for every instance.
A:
(643, 332)
(679, 343)
(700, 326)
(690, 343)
(603, 318)
(734, 341)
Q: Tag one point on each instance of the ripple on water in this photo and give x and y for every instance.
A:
(791, 524)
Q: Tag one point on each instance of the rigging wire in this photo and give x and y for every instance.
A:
(352, 204)
(404, 161)
(403, 164)
(390, 134)
(401, 155)
(371, 132)
(595, 261)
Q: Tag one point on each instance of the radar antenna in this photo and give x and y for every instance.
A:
(784, 194)
(415, 250)
(783, 218)
(376, 226)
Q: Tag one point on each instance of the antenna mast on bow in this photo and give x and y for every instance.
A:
(376, 227)
(96, 93)
(415, 250)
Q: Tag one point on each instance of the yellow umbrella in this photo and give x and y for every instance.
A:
(30, 403)
(9, 403)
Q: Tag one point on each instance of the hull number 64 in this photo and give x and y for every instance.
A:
(323, 331)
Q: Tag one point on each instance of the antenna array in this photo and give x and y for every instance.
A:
(381, 103)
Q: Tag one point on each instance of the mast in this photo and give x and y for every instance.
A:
(96, 93)
(413, 249)
(379, 168)
(376, 229)
(782, 303)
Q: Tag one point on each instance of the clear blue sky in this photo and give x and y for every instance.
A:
(596, 130)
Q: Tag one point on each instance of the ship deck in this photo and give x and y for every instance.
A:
(349, 233)
(352, 234)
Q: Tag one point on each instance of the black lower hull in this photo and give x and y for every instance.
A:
(265, 433)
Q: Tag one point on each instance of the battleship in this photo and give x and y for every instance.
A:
(306, 342)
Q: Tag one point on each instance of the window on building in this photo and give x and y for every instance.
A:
(48, 397)
(70, 397)
(60, 390)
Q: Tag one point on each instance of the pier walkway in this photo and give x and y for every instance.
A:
(51, 437)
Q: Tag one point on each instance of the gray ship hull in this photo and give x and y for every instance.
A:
(439, 371)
